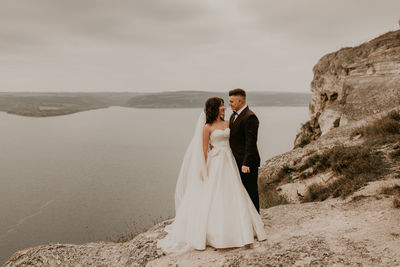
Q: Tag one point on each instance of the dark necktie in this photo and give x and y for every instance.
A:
(236, 115)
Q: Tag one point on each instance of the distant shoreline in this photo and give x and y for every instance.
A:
(47, 104)
(54, 113)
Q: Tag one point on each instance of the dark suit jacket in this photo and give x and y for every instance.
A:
(243, 138)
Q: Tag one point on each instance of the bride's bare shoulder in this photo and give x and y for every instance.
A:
(207, 127)
(226, 123)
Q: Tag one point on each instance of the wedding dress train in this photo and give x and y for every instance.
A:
(217, 211)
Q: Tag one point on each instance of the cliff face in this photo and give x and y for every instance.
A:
(353, 83)
(353, 135)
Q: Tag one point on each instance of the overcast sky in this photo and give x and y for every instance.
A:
(163, 45)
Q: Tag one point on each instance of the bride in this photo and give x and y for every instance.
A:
(211, 204)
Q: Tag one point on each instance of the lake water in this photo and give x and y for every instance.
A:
(99, 174)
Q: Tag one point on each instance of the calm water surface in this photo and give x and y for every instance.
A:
(98, 174)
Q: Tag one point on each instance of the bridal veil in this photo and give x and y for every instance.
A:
(188, 230)
(193, 167)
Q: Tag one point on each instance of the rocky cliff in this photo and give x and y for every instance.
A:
(354, 114)
(352, 84)
(340, 185)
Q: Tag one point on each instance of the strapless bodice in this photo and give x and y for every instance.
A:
(220, 138)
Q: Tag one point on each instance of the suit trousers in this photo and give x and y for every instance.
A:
(250, 182)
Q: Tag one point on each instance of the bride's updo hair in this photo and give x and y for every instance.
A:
(211, 108)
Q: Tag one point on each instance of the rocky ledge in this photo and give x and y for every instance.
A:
(353, 232)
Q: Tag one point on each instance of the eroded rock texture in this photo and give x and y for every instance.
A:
(353, 83)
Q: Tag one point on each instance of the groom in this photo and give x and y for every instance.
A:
(243, 142)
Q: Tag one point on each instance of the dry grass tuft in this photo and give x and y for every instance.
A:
(270, 198)
(269, 195)
(358, 198)
(395, 191)
(391, 190)
(396, 202)
(355, 166)
(396, 152)
(386, 126)
(122, 238)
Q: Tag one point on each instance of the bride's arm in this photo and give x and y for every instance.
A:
(227, 124)
(206, 139)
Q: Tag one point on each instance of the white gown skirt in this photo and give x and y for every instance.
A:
(217, 212)
(233, 221)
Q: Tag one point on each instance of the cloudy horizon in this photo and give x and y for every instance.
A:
(158, 45)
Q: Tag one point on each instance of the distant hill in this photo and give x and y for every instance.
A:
(187, 99)
(54, 104)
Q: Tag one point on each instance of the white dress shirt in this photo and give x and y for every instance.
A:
(239, 111)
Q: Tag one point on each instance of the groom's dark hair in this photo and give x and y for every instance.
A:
(237, 91)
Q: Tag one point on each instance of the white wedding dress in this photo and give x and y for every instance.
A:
(217, 211)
